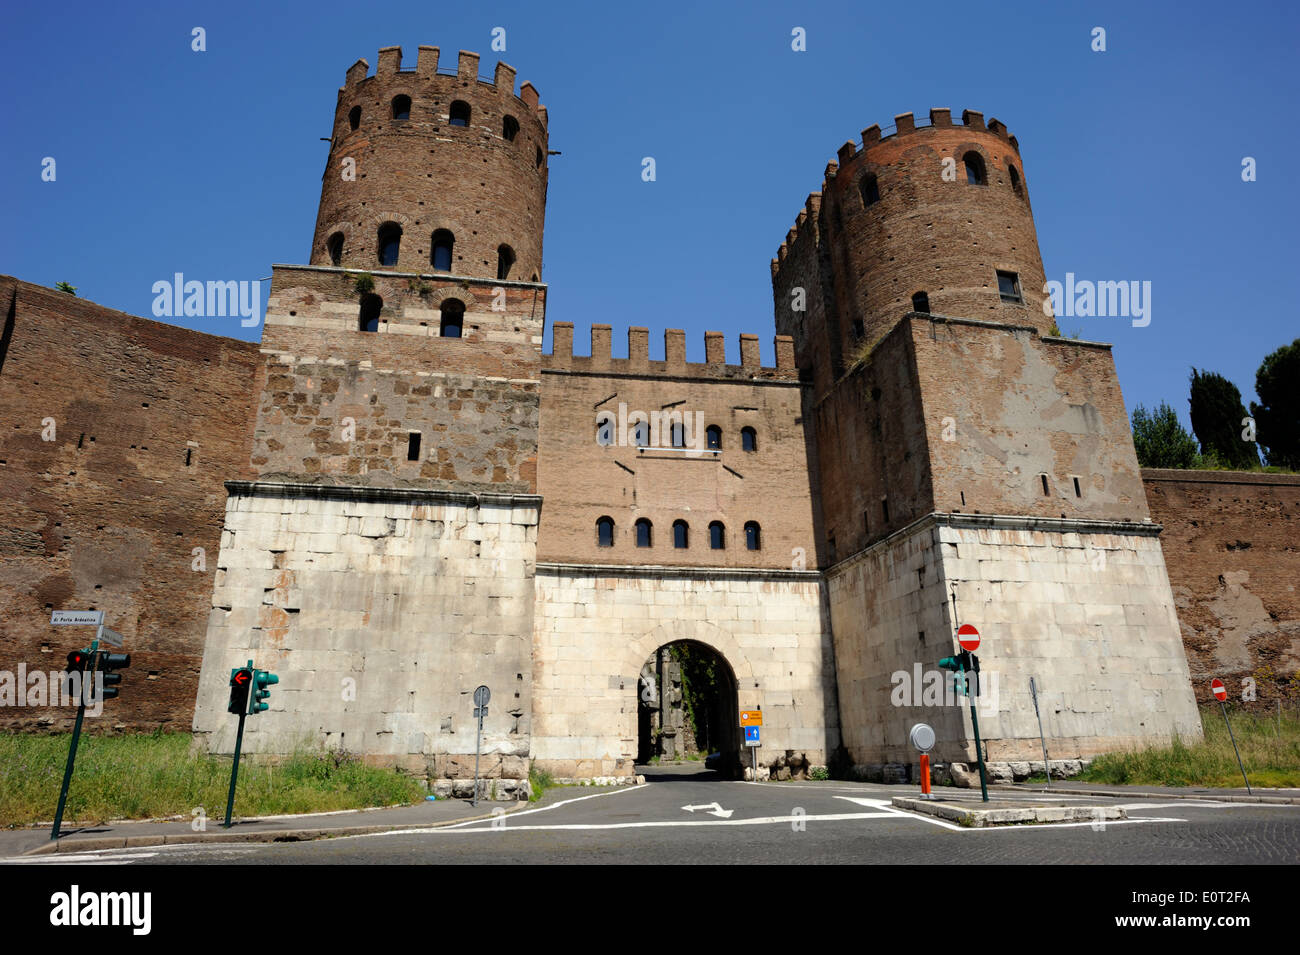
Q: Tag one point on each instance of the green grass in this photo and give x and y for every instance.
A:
(1269, 750)
(151, 775)
(539, 781)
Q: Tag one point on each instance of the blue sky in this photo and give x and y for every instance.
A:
(209, 163)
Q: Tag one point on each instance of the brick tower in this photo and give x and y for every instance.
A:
(962, 450)
(393, 473)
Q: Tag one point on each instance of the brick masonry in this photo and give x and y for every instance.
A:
(148, 420)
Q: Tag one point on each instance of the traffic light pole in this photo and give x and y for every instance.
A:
(975, 722)
(234, 771)
(67, 773)
(72, 749)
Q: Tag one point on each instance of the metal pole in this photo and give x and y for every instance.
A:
(753, 752)
(67, 772)
(979, 752)
(234, 770)
(478, 738)
(1047, 768)
(1234, 746)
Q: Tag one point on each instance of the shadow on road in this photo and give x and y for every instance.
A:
(686, 772)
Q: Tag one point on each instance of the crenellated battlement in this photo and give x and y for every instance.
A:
(427, 69)
(874, 136)
(601, 360)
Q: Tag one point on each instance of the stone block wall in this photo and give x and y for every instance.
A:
(597, 625)
(381, 611)
(1083, 607)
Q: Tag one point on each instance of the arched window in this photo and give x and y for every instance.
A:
(453, 318)
(921, 303)
(644, 532)
(678, 432)
(605, 428)
(641, 434)
(401, 107)
(334, 246)
(605, 532)
(717, 535)
(509, 128)
(748, 439)
(975, 174)
(870, 190)
(505, 261)
(539, 157)
(354, 117)
(370, 308)
(390, 242)
(753, 535)
(459, 113)
(1015, 180)
(681, 534)
(713, 438)
(440, 253)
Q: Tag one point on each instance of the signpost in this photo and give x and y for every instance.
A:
(969, 638)
(922, 737)
(86, 663)
(481, 697)
(751, 721)
(1221, 693)
(1033, 691)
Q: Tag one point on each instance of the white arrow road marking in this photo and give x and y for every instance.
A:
(714, 810)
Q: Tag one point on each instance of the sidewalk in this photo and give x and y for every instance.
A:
(294, 828)
(1065, 787)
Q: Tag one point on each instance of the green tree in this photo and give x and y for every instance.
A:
(1160, 440)
(1217, 414)
(65, 287)
(1277, 416)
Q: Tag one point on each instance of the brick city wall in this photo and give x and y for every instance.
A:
(149, 421)
(1230, 540)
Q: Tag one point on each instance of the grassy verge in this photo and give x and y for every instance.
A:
(539, 781)
(144, 776)
(1270, 751)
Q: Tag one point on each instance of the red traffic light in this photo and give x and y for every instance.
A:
(77, 660)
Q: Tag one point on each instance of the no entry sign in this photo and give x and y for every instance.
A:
(968, 637)
(1219, 690)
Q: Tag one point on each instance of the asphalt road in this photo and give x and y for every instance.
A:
(688, 817)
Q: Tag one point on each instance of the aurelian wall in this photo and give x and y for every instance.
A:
(381, 611)
(1230, 540)
(116, 433)
(1083, 607)
(597, 625)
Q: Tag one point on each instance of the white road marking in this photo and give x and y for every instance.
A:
(684, 823)
(79, 858)
(714, 810)
(953, 827)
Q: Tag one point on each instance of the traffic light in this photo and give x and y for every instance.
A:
(106, 664)
(961, 664)
(241, 680)
(78, 661)
(261, 680)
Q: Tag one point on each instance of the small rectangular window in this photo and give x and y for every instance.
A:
(830, 547)
(1009, 286)
(1078, 491)
(413, 446)
(884, 509)
(866, 523)
(1046, 489)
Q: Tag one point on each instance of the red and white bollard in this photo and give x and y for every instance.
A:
(925, 776)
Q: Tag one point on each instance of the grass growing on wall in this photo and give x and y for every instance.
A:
(1270, 751)
(144, 776)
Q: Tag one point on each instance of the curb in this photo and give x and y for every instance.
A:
(984, 818)
(259, 835)
(1136, 794)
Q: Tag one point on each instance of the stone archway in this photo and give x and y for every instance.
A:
(730, 667)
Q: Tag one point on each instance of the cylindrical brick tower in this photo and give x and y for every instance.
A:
(931, 219)
(434, 171)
